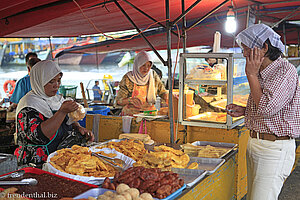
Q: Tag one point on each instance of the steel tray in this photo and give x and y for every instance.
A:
(208, 164)
(230, 146)
(190, 176)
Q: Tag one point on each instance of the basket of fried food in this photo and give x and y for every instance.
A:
(78, 163)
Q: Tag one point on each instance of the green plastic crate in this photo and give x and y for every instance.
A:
(68, 91)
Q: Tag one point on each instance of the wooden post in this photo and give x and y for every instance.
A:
(83, 95)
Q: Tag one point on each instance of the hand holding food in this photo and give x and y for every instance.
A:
(78, 114)
(68, 106)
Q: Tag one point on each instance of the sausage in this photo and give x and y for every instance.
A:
(154, 187)
(181, 182)
(144, 185)
(164, 189)
(105, 185)
(149, 175)
(128, 180)
(165, 181)
(112, 186)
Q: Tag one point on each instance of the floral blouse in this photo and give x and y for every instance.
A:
(32, 142)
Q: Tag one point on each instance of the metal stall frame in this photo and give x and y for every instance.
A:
(168, 27)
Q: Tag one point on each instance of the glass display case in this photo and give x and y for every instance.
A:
(207, 83)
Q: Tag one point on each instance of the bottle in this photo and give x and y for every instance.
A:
(157, 103)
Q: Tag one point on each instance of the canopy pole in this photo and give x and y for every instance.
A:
(169, 64)
(185, 12)
(162, 25)
(207, 15)
(51, 50)
(284, 38)
(184, 51)
(142, 34)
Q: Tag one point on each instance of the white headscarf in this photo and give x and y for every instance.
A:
(42, 72)
(136, 77)
(257, 34)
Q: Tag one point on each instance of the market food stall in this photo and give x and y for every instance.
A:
(229, 180)
(228, 82)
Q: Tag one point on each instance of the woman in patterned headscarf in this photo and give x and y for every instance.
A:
(139, 87)
(272, 113)
(42, 122)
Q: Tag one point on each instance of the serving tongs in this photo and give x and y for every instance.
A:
(15, 174)
(114, 162)
(27, 181)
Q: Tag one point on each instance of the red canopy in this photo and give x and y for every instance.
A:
(31, 18)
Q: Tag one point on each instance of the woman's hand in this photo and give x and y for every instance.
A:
(235, 110)
(68, 106)
(135, 102)
(254, 61)
(89, 134)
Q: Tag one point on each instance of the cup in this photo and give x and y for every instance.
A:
(126, 123)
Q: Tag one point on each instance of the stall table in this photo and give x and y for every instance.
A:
(110, 127)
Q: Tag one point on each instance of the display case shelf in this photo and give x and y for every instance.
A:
(225, 82)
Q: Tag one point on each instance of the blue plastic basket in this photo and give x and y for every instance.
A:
(102, 110)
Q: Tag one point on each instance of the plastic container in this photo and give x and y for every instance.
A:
(68, 91)
(101, 110)
(126, 123)
(189, 94)
(40, 172)
(195, 110)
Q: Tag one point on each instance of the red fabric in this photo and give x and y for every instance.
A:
(63, 18)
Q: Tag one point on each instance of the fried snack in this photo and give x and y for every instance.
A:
(211, 152)
(145, 138)
(164, 158)
(79, 161)
(131, 148)
(193, 165)
(207, 151)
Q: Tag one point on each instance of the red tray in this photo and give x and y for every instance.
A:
(39, 171)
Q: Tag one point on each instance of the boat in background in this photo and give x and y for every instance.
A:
(14, 50)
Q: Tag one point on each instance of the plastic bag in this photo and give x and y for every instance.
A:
(78, 114)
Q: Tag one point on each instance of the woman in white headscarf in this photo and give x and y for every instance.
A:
(272, 112)
(139, 87)
(42, 126)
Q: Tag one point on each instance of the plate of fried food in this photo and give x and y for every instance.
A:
(78, 163)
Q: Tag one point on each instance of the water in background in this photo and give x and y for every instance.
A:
(72, 75)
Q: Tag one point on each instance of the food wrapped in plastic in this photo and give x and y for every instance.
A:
(78, 114)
